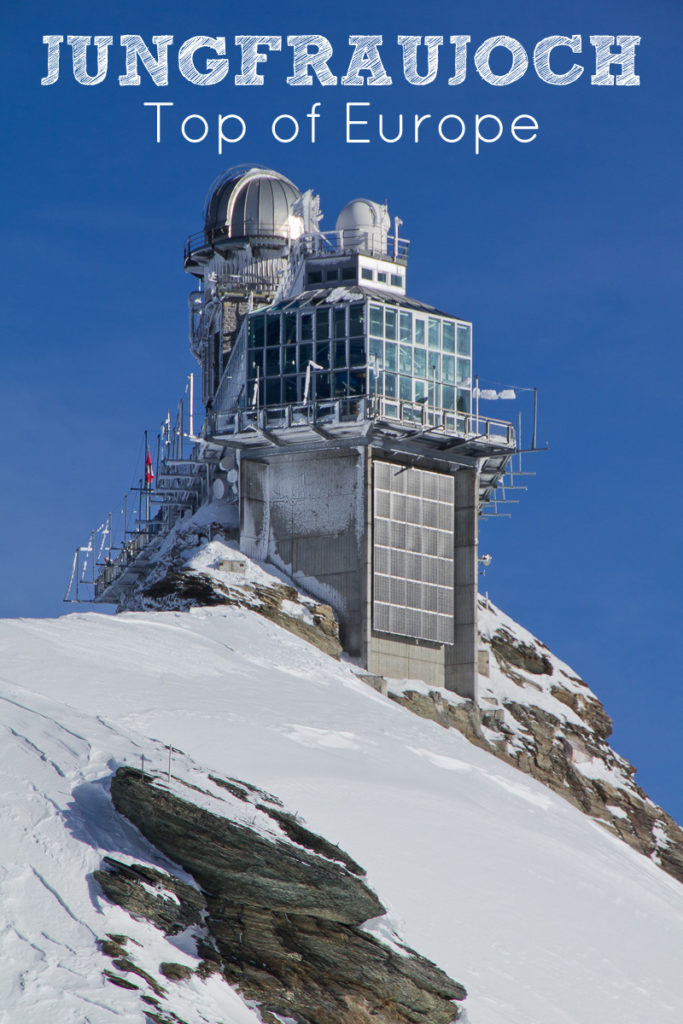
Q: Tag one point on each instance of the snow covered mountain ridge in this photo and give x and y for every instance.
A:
(534, 711)
(545, 916)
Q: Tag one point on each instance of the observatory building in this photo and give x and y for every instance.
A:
(342, 416)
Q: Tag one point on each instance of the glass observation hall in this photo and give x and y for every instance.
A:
(413, 360)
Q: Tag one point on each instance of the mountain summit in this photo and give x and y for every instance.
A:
(519, 860)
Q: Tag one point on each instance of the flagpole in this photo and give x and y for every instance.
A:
(147, 486)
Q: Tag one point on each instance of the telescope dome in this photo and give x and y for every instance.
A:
(250, 202)
(364, 224)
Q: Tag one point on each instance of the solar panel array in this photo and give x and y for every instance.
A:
(413, 552)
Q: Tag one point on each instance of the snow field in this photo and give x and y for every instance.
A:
(539, 912)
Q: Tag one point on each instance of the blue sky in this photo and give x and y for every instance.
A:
(564, 252)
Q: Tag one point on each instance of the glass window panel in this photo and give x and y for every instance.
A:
(273, 362)
(464, 340)
(256, 330)
(332, 275)
(390, 324)
(289, 359)
(366, 274)
(390, 385)
(376, 350)
(289, 328)
(448, 336)
(405, 359)
(305, 356)
(315, 276)
(420, 362)
(464, 370)
(273, 330)
(448, 396)
(419, 332)
(434, 332)
(306, 326)
(377, 321)
(421, 390)
(463, 400)
(406, 327)
(339, 321)
(348, 274)
(322, 353)
(434, 363)
(405, 389)
(357, 382)
(273, 391)
(381, 277)
(289, 393)
(322, 323)
(448, 365)
(396, 280)
(357, 353)
(390, 356)
(391, 410)
(341, 384)
(340, 354)
(435, 395)
(357, 319)
(321, 385)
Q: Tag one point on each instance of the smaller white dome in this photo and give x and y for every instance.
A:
(363, 224)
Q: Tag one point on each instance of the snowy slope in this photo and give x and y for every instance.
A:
(543, 916)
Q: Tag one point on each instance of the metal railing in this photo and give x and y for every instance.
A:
(112, 568)
(324, 243)
(357, 409)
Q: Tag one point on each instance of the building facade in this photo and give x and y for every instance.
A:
(346, 408)
(345, 417)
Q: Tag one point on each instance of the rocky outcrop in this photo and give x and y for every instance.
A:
(552, 727)
(183, 589)
(520, 654)
(173, 583)
(282, 915)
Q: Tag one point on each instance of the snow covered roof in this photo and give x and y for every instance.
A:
(355, 293)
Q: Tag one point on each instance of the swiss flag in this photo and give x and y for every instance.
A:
(149, 472)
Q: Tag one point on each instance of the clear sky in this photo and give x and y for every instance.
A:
(564, 252)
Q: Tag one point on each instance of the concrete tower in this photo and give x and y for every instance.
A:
(345, 409)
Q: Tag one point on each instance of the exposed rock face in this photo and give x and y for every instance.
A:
(174, 584)
(520, 654)
(549, 725)
(183, 589)
(284, 922)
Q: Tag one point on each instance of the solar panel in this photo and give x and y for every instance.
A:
(413, 552)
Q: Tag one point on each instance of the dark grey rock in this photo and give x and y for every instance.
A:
(284, 920)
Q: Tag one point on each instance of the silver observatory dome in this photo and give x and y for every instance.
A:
(250, 203)
(364, 224)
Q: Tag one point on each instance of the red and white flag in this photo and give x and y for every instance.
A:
(149, 472)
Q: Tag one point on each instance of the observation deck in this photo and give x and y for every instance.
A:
(200, 246)
(405, 428)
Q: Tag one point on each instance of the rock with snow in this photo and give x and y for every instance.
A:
(543, 914)
(284, 920)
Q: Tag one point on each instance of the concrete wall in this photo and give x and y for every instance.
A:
(306, 514)
(403, 658)
(461, 658)
(311, 515)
